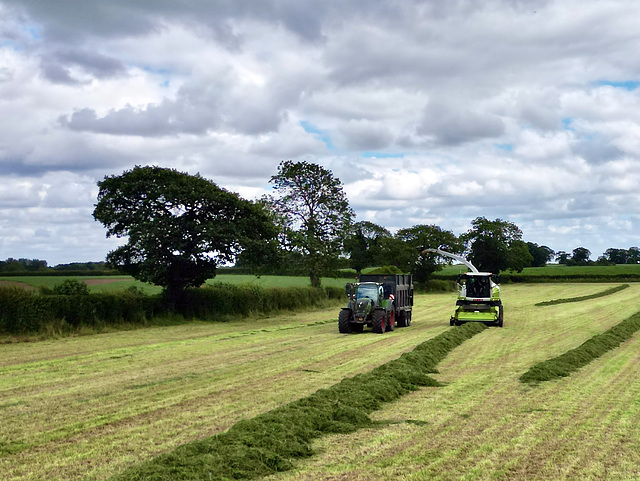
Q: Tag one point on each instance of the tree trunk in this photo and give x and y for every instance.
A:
(315, 279)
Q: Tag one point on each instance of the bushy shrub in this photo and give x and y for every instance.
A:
(71, 287)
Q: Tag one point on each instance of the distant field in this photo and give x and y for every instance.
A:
(559, 270)
(87, 407)
(116, 283)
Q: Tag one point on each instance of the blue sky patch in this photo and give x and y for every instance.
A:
(381, 155)
(505, 147)
(566, 123)
(317, 133)
(627, 85)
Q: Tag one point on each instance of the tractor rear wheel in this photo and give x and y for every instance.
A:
(344, 324)
(378, 322)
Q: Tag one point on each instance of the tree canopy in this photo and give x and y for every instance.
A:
(363, 244)
(179, 226)
(495, 245)
(314, 214)
(421, 237)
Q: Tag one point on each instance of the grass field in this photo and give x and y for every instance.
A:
(117, 283)
(559, 270)
(87, 407)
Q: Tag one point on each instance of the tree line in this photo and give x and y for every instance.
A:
(181, 227)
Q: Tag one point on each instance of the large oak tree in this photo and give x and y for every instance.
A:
(180, 227)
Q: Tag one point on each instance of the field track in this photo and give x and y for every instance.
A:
(86, 407)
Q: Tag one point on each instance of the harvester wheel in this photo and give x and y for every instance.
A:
(392, 319)
(452, 322)
(378, 322)
(500, 317)
(344, 326)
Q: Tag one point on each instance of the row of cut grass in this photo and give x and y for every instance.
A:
(606, 292)
(269, 442)
(570, 361)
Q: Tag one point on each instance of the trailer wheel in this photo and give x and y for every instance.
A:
(344, 326)
(392, 319)
(402, 319)
(409, 318)
(378, 322)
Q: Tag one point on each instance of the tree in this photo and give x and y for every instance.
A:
(179, 226)
(421, 237)
(314, 214)
(489, 243)
(540, 254)
(562, 257)
(362, 244)
(617, 256)
(580, 256)
(393, 251)
(519, 256)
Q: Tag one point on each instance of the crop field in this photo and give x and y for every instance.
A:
(89, 407)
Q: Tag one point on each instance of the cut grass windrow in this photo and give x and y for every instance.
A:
(269, 442)
(606, 292)
(582, 355)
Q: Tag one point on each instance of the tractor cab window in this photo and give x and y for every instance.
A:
(478, 286)
(368, 291)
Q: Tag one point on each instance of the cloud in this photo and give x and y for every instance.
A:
(428, 111)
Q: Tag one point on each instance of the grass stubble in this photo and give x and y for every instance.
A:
(86, 408)
(485, 424)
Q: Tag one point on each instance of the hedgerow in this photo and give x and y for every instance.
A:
(582, 355)
(23, 311)
(270, 442)
(606, 292)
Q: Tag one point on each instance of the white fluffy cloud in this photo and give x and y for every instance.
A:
(429, 111)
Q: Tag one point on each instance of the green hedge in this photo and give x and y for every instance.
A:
(23, 311)
(269, 443)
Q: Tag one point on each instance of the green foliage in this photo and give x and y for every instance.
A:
(71, 287)
(179, 226)
(606, 292)
(421, 237)
(22, 265)
(540, 254)
(574, 359)
(490, 245)
(313, 213)
(362, 244)
(385, 270)
(269, 443)
(23, 311)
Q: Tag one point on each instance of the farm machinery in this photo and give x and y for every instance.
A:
(377, 301)
(478, 295)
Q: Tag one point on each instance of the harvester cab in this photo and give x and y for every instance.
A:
(478, 295)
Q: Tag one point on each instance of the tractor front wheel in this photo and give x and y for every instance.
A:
(344, 324)
(378, 322)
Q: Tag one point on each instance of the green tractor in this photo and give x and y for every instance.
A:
(478, 295)
(378, 301)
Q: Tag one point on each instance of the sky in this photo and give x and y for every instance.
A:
(429, 112)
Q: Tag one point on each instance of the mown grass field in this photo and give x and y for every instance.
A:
(87, 407)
